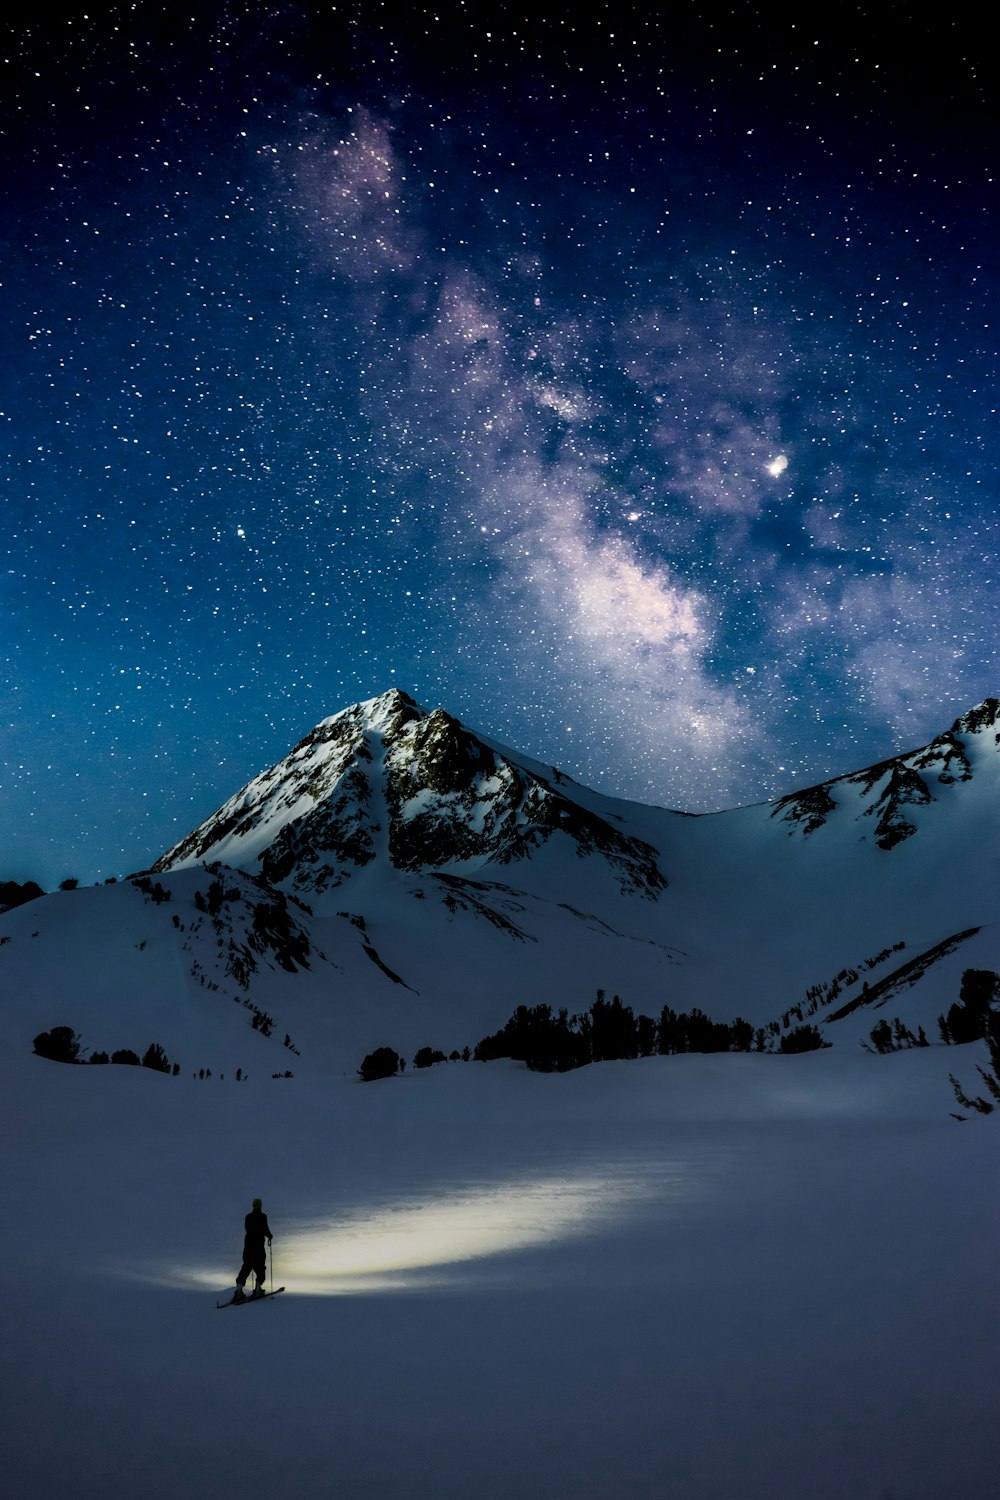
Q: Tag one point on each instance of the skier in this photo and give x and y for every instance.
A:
(254, 1254)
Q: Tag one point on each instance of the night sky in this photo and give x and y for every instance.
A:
(623, 382)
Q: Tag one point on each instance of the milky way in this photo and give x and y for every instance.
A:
(622, 382)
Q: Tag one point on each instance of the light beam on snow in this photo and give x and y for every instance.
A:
(416, 1243)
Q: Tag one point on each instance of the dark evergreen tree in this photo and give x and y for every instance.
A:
(533, 1035)
(706, 1035)
(671, 1034)
(990, 1076)
(127, 1056)
(61, 1044)
(426, 1056)
(740, 1036)
(802, 1039)
(693, 1031)
(980, 989)
(902, 1034)
(382, 1063)
(611, 1031)
(966, 1020)
(881, 1035)
(646, 1035)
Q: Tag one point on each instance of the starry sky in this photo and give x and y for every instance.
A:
(624, 382)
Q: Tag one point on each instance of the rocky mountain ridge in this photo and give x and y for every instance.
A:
(386, 779)
(887, 790)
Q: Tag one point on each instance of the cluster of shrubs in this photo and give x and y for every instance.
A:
(14, 894)
(549, 1041)
(62, 1044)
(155, 891)
(215, 897)
(895, 1036)
(385, 1062)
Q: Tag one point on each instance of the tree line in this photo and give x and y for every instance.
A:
(554, 1041)
(550, 1041)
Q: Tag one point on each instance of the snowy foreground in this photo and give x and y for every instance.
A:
(704, 1278)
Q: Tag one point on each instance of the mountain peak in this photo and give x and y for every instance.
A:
(386, 781)
(985, 715)
(388, 712)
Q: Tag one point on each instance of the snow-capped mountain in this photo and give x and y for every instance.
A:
(385, 780)
(399, 879)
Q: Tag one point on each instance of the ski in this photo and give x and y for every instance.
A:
(262, 1298)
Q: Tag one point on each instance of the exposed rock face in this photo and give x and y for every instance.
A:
(385, 779)
(451, 798)
(809, 809)
(904, 787)
(893, 786)
(947, 756)
(985, 715)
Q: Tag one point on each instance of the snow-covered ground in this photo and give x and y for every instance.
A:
(723, 1277)
(731, 1277)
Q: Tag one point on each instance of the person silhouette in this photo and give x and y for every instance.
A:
(257, 1230)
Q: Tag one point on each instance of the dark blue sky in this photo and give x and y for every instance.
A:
(624, 383)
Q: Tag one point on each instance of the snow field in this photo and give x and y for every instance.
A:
(700, 1277)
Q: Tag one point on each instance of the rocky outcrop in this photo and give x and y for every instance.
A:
(891, 788)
